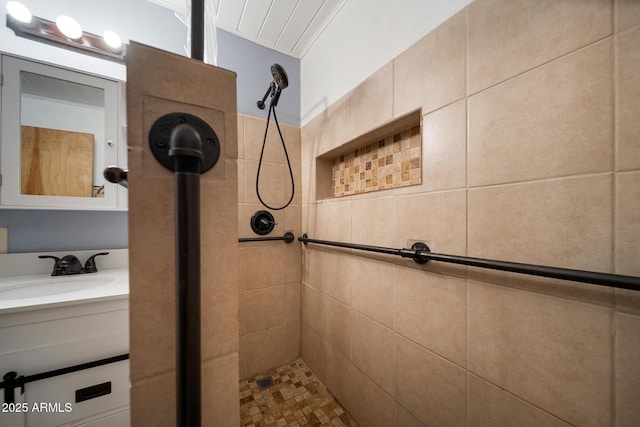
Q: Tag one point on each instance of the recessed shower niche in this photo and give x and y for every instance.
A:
(389, 156)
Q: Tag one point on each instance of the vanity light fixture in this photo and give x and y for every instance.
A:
(112, 40)
(69, 27)
(66, 32)
(19, 12)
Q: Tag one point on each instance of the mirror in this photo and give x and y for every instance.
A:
(60, 136)
(61, 123)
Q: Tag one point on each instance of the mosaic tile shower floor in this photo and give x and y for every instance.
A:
(296, 398)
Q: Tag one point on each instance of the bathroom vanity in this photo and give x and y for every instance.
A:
(53, 322)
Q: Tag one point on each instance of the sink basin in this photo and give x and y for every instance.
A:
(53, 286)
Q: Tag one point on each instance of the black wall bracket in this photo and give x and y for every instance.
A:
(160, 137)
(420, 247)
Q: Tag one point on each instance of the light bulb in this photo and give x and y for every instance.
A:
(112, 39)
(69, 27)
(19, 12)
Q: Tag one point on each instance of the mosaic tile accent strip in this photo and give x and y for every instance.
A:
(296, 399)
(394, 161)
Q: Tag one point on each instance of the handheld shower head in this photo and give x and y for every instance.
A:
(280, 81)
(279, 76)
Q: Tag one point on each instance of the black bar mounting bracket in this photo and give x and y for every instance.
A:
(160, 137)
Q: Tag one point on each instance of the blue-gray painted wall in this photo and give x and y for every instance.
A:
(252, 63)
(42, 230)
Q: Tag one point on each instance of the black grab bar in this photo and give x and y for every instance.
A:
(421, 253)
(288, 237)
(13, 381)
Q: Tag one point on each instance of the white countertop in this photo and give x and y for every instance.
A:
(106, 284)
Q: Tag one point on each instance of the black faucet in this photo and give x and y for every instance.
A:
(90, 265)
(70, 264)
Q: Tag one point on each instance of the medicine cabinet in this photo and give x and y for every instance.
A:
(60, 129)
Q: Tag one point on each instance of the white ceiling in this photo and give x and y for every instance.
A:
(288, 26)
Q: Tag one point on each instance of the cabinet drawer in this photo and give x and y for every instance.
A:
(55, 398)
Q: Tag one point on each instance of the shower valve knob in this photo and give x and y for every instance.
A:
(262, 222)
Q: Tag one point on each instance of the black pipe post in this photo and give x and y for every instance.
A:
(197, 29)
(186, 152)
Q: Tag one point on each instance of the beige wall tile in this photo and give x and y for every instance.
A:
(509, 37)
(555, 120)
(293, 219)
(444, 148)
(312, 308)
(313, 267)
(371, 288)
(242, 272)
(293, 299)
(337, 377)
(627, 14)
(292, 139)
(253, 314)
(374, 222)
(627, 224)
(491, 406)
(370, 405)
(404, 418)
(333, 275)
(241, 185)
(242, 313)
(328, 271)
(153, 401)
(253, 275)
(254, 128)
(308, 190)
(438, 219)
(292, 342)
(273, 265)
(219, 407)
(371, 102)
(242, 358)
(431, 73)
(297, 182)
(293, 261)
(552, 223)
(336, 325)
(266, 349)
(311, 349)
(332, 220)
(274, 306)
(627, 95)
(553, 353)
(627, 371)
(433, 389)
(431, 310)
(311, 137)
(627, 301)
(240, 136)
(372, 351)
(271, 183)
(330, 129)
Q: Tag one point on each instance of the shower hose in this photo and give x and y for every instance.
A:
(272, 109)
